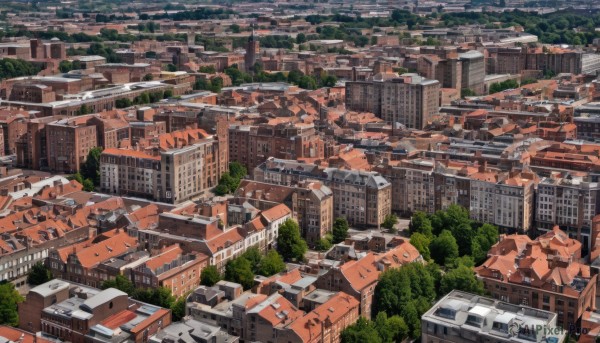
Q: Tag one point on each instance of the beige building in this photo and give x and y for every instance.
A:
(175, 167)
(409, 99)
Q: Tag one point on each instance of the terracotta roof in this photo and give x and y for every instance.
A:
(129, 153)
(225, 239)
(17, 335)
(361, 273)
(166, 255)
(106, 249)
(276, 212)
(310, 325)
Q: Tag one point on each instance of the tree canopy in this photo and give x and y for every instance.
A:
(210, 276)
(290, 244)
(340, 230)
(39, 274)
(9, 300)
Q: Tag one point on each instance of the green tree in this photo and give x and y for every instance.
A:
(239, 270)
(390, 221)
(160, 296)
(271, 264)
(91, 167)
(210, 276)
(363, 331)
(464, 235)
(450, 219)
(148, 77)
(419, 222)
(88, 185)
(254, 256)
(340, 230)
(237, 170)
(324, 243)
(84, 109)
(39, 274)
(210, 69)
(235, 28)
(300, 38)
(421, 243)
(65, 66)
(408, 292)
(461, 278)
(290, 244)
(443, 248)
(465, 92)
(171, 67)
(178, 308)
(121, 283)
(9, 300)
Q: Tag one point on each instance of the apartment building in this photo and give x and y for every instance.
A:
(546, 273)
(129, 172)
(363, 198)
(251, 145)
(461, 316)
(68, 143)
(78, 262)
(311, 203)
(413, 185)
(171, 268)
(408, 99)
(172, 168)
(473, 71)
(569, 201)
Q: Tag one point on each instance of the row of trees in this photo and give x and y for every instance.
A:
(10, 68)
(144, 98)
(504, 85)
(243, 269)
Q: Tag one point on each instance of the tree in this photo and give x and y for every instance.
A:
(290, 244)
(65, 66)
(237, 170)
(178, 308)
(210, 69)
(421, 224)
(464, 235)
(210, 276)
(340, 230)
(363, 331)
(39, 274)
(271, 264)
(84, 109)
(91, 167)
(421, 243)
(148, 77)
(450, 219)
(461, 278)
(171, 67)
(444, 248)
(465, 92)
(235, 28)
(324, 243)
(88, 185)
(390, 221)
(160, 296)
(9, 298)
(121, 283)
(239, 270)
(408, 292)
(300, 38)
(254, 256)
